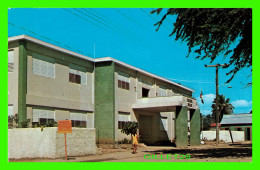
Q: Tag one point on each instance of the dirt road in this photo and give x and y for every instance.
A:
(203, 153)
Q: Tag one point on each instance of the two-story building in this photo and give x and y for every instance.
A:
(47, 82)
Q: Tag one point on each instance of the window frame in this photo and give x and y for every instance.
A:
(44, 63)
(123, 81)
(121, 123)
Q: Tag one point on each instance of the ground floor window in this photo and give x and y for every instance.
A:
(78, 119)
(238, 128)
(123, 117)
(42, 116)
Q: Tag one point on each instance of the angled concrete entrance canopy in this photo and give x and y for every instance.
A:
(164, 104)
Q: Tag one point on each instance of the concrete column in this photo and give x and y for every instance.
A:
(181, 126)
(22, 83)
(195, 128)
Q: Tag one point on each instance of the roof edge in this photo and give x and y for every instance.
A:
(49, 45)
(104, 59)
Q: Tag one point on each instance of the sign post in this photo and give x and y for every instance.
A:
(64, 126)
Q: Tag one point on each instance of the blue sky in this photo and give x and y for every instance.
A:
(129, 35)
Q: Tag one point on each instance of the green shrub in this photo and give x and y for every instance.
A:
(130, 128)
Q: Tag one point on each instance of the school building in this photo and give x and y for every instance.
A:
(47, 82)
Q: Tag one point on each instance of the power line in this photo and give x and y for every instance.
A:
(129, 18)
(191, 81)
(105, 28)
(152, 17)
(56, 42)
(83, 18)
(110, 23)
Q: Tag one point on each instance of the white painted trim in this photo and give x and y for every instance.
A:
(54, 47)
(141, 71)
(28, 38)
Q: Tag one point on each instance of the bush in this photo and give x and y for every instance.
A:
(130, 128)
(124, 141)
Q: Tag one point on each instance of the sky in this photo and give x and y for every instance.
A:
(129, 35)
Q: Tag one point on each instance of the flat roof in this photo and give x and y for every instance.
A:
(104, 59)
(51, 46)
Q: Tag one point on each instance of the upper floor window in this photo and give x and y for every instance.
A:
(43, 66)
(123, 117)
(78, 77)
(162, 91)
(78, 119)
(123, 81)
(10, 60)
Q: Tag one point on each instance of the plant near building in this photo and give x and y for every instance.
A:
(26, 123)
(124, 141)
(130, 128)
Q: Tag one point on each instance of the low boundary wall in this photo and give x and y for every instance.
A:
(34, 143)
(224, 135)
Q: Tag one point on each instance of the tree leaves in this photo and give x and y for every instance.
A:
(211, 32)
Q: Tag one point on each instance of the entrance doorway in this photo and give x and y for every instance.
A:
(248, 134)
(145, 128)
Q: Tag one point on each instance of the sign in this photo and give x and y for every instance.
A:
(64, 126)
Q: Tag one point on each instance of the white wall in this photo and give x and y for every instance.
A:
(32, 143)
(238, 136)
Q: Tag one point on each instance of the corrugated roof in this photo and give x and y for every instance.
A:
(237, 119)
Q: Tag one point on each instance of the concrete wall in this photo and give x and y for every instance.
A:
(13, 79)
(194, 127)
(105, 102)
(124, 100)
(238, 136)
(32, 143)
(59, 92)
(181, 126)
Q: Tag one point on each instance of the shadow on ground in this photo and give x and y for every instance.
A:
(236, 151)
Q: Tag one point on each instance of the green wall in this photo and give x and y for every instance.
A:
(105, 102)
(195, 127)
(181, 126)
(22, 82)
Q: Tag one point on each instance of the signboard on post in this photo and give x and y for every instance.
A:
(64, 126)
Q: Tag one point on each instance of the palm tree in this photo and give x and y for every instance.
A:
(224, 107)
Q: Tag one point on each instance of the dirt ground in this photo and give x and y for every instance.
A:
(240, 152)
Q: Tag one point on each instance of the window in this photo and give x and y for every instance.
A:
(238, 129)
(10, 60)
(123, 81)
(11, 110)
(164, 123)
(145, 92)
(78, 119)
(123, 117)
(162, 91)
(43, 66)
(42, 116)
(78, 77)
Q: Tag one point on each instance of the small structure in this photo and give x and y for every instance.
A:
(237, 122)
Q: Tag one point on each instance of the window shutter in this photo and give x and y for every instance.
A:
(83, 78)
(36, 66)
(10, 110)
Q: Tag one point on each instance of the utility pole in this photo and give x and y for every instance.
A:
(217, 108)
